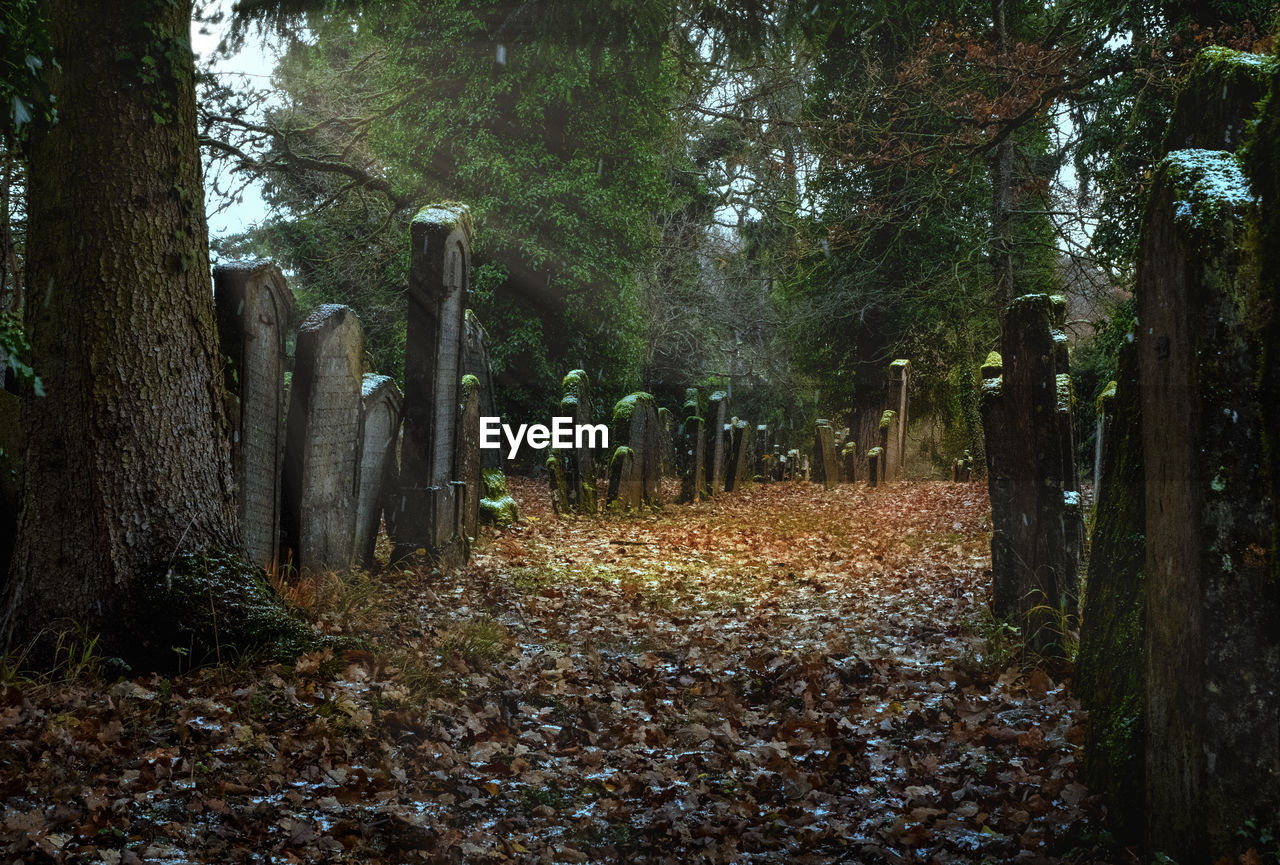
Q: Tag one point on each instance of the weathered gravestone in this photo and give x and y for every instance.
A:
(717, 416)
(889, 444)
(432, 499)
(899, 376)
(573, 472)
(1213, 612)
(849, 462)
(1033, 580)
(634, 428)
(762, 447)
(825, 468)
(1109, 669)
(475, 361)
(739, 469)
(693, 472)
(255, 309)
(379, 430)
(318, 517)
(875, 466)
(666, 443)
(467, 459)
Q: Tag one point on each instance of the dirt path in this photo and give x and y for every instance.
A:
(785, 675)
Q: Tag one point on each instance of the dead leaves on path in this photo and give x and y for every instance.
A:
(781, 675)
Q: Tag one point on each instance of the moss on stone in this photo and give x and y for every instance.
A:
(470, 387)
(575, 385)
(497, 508)
(886, 419)
(875, 453)
(993, 366)
(1208, 189)
(214, 605)
(1106, 398)
(447, 214)
(1065, 392)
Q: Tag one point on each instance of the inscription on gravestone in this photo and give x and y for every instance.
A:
(254, 308)
(321, 455)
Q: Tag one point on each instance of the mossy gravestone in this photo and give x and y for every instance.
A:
(439, 279)
(255, 309)
(717, 415)
(1032, 573)
(634, 429)
(322, 453)
(578, 464)
(1213, 617)
(825, 469)
(379, 429)
(692, 449)
(476, 362)
(469, 489)
(739, 469)
(1110, 668)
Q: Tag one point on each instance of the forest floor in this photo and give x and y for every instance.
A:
(787, 674)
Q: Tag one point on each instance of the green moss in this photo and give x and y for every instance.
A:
(886, 419)
(470, 387)
(1065, 392)
(497, 508)
(900, 362)
(993, 366)
(692, 403)
(214, 605)
(1106, 398)
(850, 448)
(447, 214)
(875, 453)
(575, 385)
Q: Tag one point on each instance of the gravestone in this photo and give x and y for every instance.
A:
(379, 430)
(1032, 572)
(717, 414)
(468, 485)
(875, 466)
(255, 309)
(899, 376)
(666, 443)
(626, 484)
(762, 447)
(793, 470)
(579, 467)
(1105, 412)
(740, 469)
(849, 462)
(635, 426)
(439, 279)
(825, 468)
(1207, 344)
(692, 450)
(318, 517)
(889, 441)
(476, 362)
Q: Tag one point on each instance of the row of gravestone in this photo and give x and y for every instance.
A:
(835, 455)
(319, 460)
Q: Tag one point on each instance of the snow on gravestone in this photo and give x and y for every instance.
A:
(254, 307)
(322, 453)
(439, 273)
(899, 375)
(380, 403)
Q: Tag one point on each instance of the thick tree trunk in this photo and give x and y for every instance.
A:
(128, 458)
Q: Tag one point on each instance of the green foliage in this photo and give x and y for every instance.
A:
(14, 350)
(24, 50)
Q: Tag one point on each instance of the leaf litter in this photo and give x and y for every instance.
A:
(785, 674)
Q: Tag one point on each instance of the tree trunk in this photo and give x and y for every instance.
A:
(128, 457)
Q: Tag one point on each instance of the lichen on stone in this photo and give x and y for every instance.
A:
(497, 508)
(1065, 391)
(993, 366)
(886, 419)
(1106, 398)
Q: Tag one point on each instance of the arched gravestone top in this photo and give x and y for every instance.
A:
(254, 309)
(323, 447)
(440, 264)
(380, 403)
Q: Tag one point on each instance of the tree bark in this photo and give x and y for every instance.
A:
(128, 454)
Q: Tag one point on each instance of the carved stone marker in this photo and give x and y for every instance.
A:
(379, 429)
(475, 361)
(580, 467)
(255, 309)
(825, 469)
(899, 375)
(321, 456)
(875, 466)
(635, 427)
(718, 415)
(740, 469)
(439, 278)
(693, 442)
